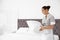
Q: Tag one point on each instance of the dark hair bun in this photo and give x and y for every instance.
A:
(46, 7)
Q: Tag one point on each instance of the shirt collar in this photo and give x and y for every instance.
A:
(47, 15)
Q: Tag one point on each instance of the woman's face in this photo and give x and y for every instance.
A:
(45, 11)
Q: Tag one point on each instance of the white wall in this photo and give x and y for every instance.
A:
(8, 18)
(25, 9)
(32, 9)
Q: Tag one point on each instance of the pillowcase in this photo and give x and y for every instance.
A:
(34, 26)
(22, 30)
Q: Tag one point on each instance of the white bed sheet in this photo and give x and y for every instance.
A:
(23, 36)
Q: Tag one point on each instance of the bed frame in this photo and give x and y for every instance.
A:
(56, 30)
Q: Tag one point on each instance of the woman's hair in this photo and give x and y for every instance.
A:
(46, 7)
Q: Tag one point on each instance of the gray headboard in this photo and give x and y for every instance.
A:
(56, 30)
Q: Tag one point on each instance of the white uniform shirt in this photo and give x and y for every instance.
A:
(50, 20)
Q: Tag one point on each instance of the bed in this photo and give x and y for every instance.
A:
(24, 36)
(27, 34)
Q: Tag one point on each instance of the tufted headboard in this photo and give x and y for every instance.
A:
(56, 30)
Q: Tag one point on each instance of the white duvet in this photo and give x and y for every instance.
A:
(24, 36)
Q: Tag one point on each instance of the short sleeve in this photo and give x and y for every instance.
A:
(52, 21)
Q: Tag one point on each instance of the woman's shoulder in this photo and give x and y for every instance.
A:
(51, 16)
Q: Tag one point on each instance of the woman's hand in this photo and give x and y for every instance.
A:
(42, 28)
(46, 27)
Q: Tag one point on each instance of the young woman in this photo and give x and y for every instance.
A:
(48, 22)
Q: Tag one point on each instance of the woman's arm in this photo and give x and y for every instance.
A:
(49, 27)
(46, 27)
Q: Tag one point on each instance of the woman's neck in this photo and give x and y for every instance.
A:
(46, 15)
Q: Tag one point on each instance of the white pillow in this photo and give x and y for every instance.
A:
(34, 26)
(22, 30)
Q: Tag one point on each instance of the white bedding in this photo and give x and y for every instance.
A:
(24, 36)
(27, 34)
